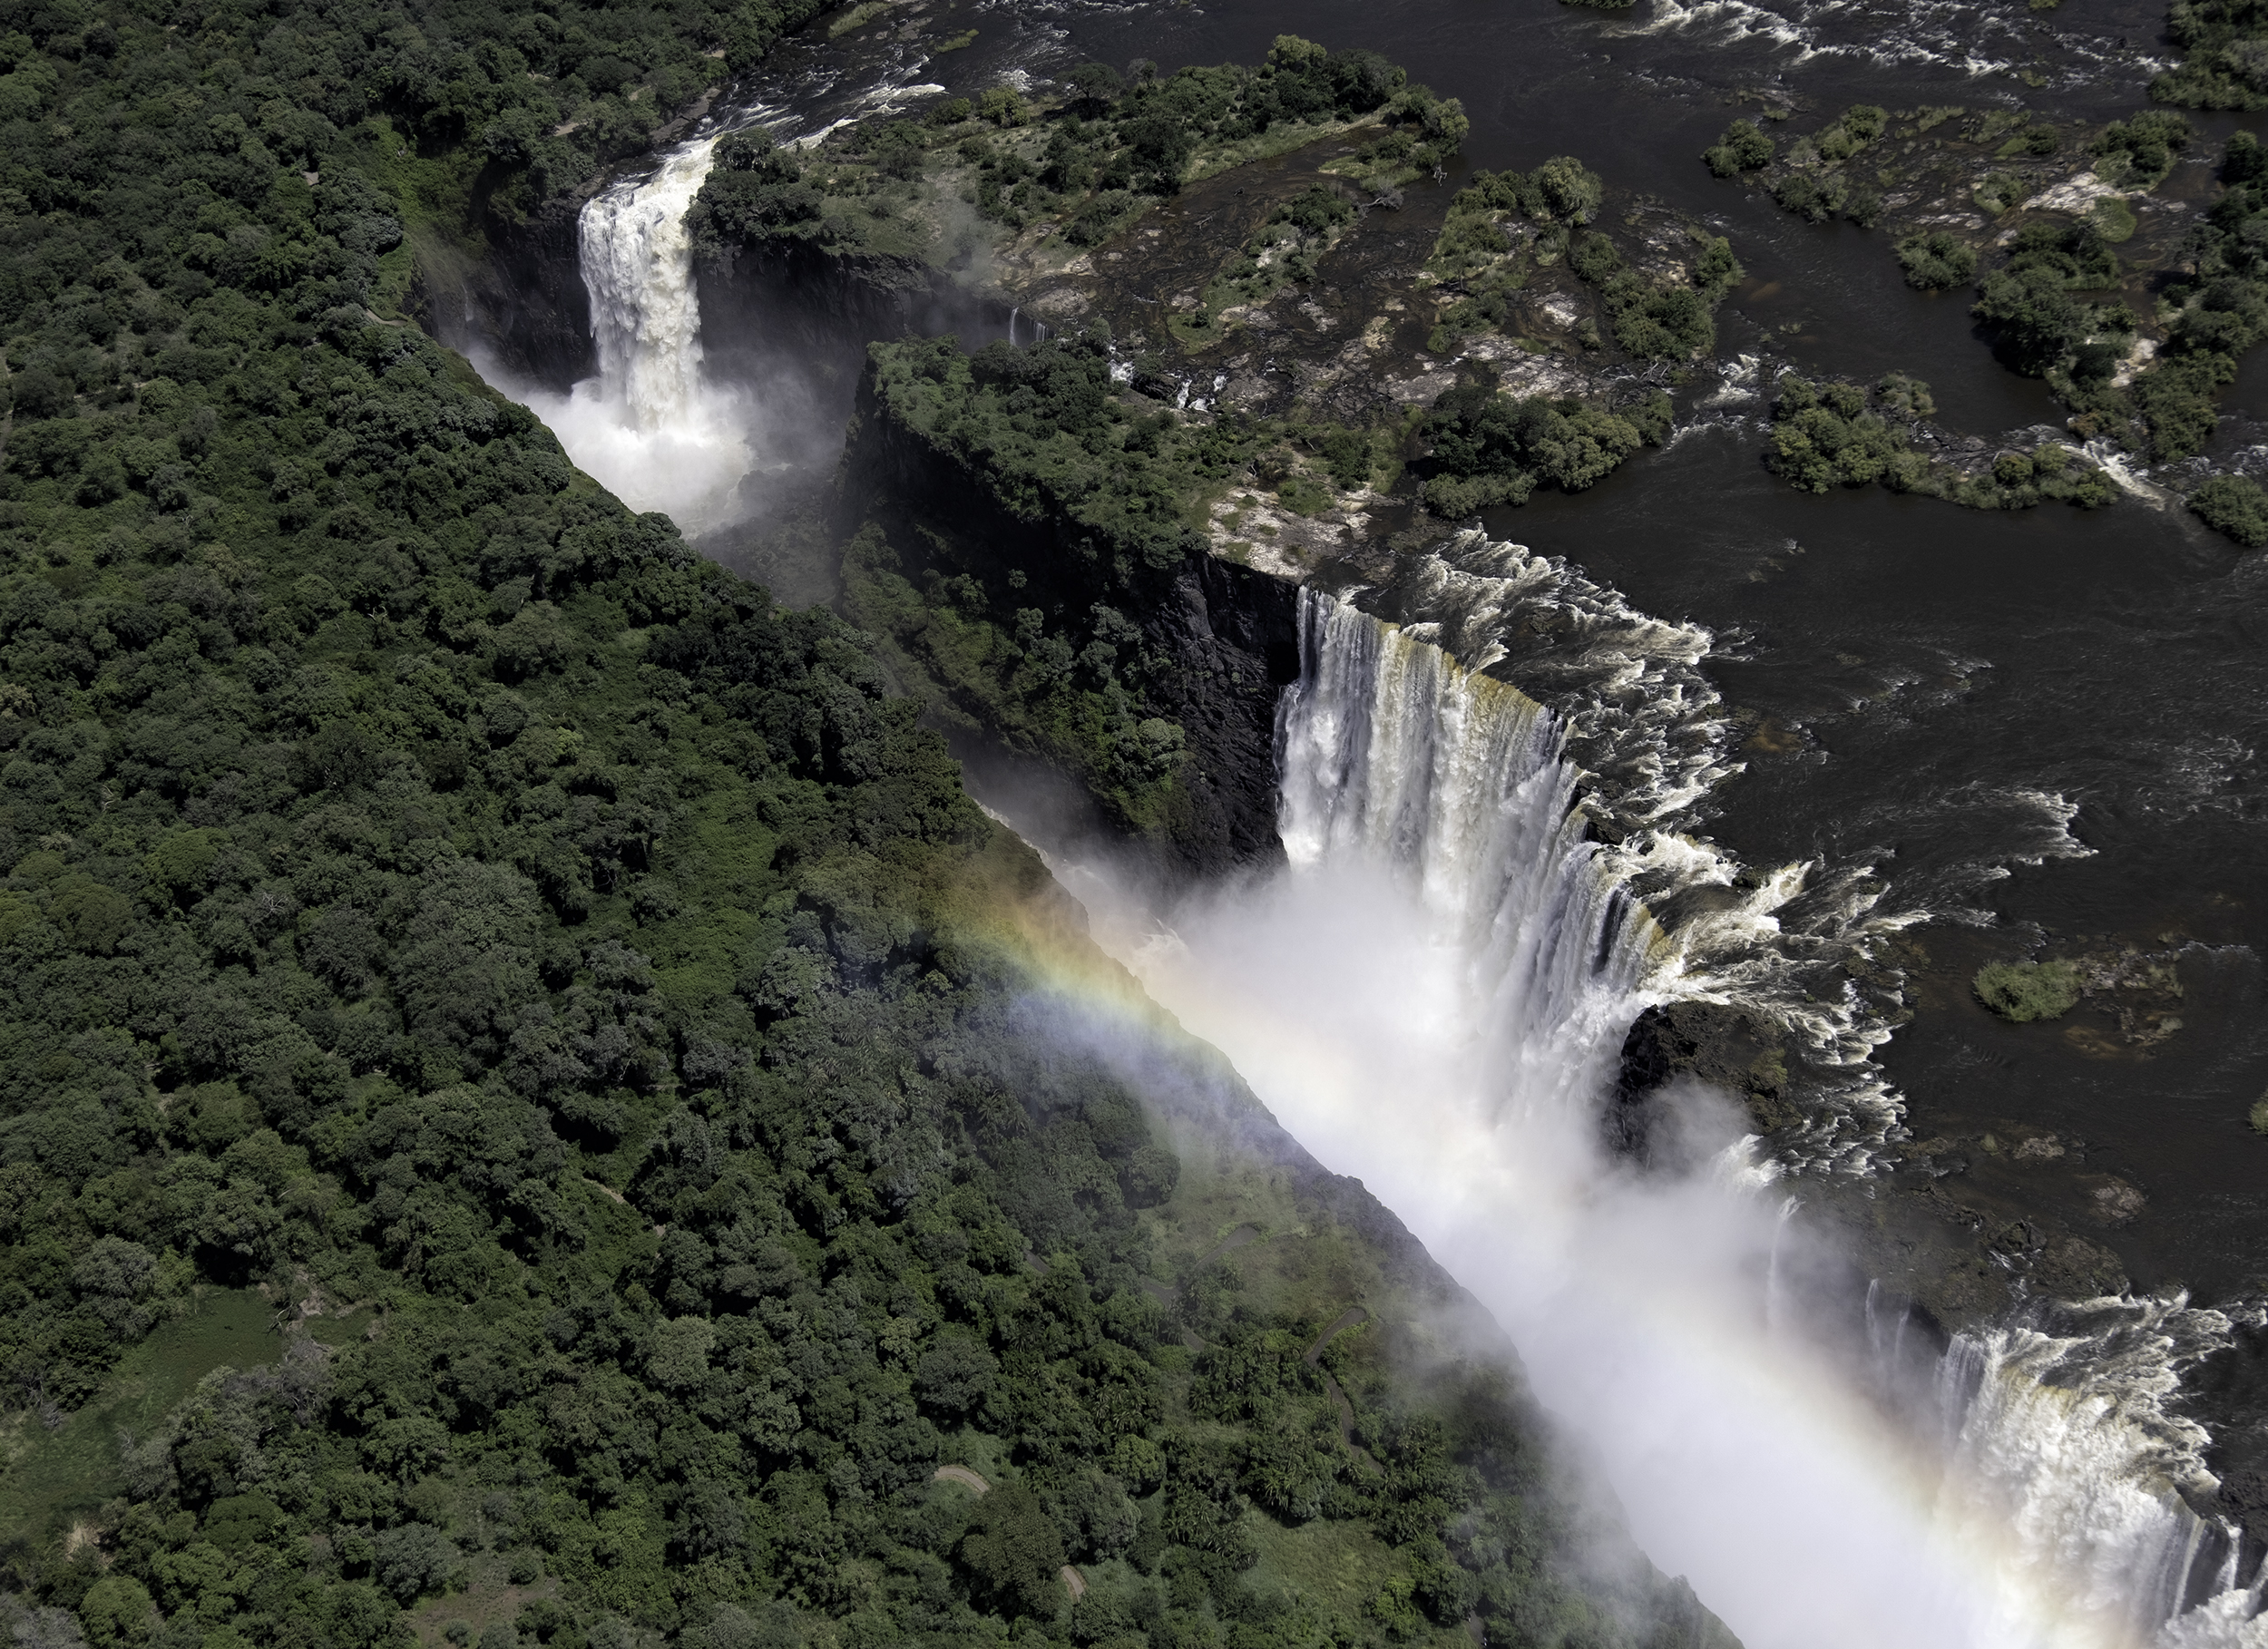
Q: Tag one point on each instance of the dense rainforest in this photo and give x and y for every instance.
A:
(532, 1107)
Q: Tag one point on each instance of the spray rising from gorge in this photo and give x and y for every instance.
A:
(1433, 997)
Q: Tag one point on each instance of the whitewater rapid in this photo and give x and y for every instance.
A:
(1432, 997)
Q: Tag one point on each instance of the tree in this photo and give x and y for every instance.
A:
(1097, 84)
(1743, 148)
(1013, 1552)
(2035, 321)
(117, 1613)
(1568, 191)
(2233, 506)
(1936, 261)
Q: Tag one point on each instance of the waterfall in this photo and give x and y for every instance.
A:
(1388, 750)
(637, 269)
(1486, 885)
(2068, 1451)
(649, 427)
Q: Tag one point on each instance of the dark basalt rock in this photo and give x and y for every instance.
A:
(525, 302)
(1230, 633)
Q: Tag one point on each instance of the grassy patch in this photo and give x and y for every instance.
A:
(1342, 1566)
(489, 1599)
(54, 1476)
(857, 17)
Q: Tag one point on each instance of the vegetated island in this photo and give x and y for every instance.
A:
(537, 1112)
(2132, 307)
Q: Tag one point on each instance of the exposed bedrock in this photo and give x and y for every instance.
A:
(1229, 635)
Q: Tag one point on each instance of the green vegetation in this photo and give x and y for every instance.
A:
(572, 996)
(1826, 435)
(1743, 148)
(2258, 1114)
(2138, 152)
(1652, 319)
(1483, 261)
(755, 191)
(1080, 170)
(1937, 261)
(2233, 506)
(1480, 258)
(1815, 182)
(2212, 313)
(1998, 193)
(1281, 253)
(2225, 65)
(1485, 448)
(2022, 992)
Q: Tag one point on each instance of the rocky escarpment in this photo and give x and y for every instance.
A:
(1208, 646)
(795, 302)
(525, 300)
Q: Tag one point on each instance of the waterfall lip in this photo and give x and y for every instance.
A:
(1645, 737)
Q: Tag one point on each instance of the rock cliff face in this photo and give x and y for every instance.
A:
(525, 301)
(1229, 634)
(792, 300)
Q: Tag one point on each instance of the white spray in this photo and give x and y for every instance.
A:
(1430, 999)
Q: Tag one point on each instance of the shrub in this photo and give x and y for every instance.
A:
(1937, 261)
(1999, 192)
(1858, 126)
(2022, 992)
(1593, 259)
(1743, 148)
(2034, 320)
(2233, 506)
(2140, 150)
(1567, 191)
(1717, 271)
(2175, 403)
(1815, 196)
(1002, 107)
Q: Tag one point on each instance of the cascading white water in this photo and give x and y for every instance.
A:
(1390, 753)
(2062, 1431)
(638, 271)
(648, 426)
(1430, 999)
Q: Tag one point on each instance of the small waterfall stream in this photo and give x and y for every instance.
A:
(637, 269)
